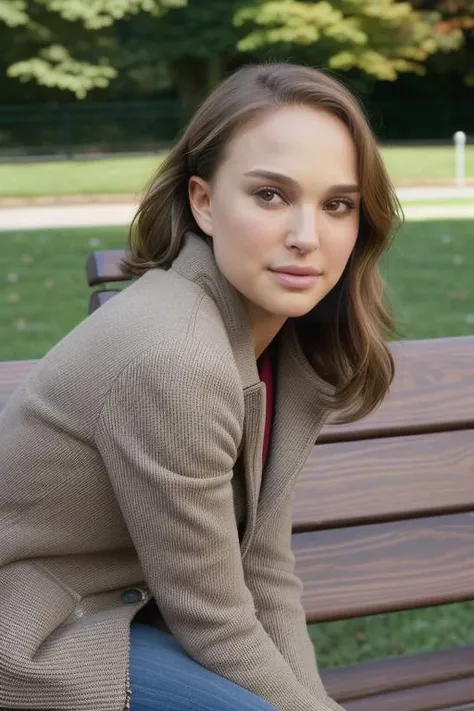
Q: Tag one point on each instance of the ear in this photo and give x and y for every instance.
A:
(200, 202)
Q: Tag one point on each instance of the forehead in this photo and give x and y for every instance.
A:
(299, 141)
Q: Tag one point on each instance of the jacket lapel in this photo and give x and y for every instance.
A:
(302, 398)
(251, 456)
(196, 262)
(302, 403)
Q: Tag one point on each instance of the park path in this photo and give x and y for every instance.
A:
(99, 214)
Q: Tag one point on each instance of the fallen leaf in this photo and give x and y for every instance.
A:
(458, 295)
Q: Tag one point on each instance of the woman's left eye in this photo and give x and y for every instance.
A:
(339, 206)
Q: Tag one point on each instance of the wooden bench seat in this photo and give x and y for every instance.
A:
(384, 517)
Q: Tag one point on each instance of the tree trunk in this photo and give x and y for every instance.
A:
(194, 79)
(190, 76)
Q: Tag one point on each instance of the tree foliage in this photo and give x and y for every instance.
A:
(13, 12)
(380, 37)
(454, 15)
(79, 45)
(196, 44)
(54, 26)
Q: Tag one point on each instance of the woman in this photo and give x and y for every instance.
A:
(147, 464)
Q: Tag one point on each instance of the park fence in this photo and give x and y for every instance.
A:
(75, 128)
(93, 128)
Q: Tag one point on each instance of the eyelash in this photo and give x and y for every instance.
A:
(259, 192)
(344, 201)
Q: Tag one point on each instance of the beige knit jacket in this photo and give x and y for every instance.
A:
(118, 470)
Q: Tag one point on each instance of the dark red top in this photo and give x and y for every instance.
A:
(265, 371)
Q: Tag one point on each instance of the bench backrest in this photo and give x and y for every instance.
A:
(384, 508)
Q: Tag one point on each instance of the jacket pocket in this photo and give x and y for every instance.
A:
(32, 605)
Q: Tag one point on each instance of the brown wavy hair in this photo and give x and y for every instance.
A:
(344, 335)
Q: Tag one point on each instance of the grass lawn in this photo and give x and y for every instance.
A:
(392, 635)
(43, 294)
(451, 202)
(424, 162)
(428, 271)
(109, 176)
(130, 174)
(43, 289)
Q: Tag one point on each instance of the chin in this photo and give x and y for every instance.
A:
(297, 313)
(298, 307)
(293, 312)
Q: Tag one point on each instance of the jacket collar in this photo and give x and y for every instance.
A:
(196, 262)
(302, 398)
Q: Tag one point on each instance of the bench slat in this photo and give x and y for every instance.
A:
(104, 266)
(99, 298)
(454, 695)
(385, 479)
(386, 675)
(433, 390)
(366, 570)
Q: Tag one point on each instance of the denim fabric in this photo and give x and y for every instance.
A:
(164, 677)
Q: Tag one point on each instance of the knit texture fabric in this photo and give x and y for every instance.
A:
(265, 371)
(131, 459)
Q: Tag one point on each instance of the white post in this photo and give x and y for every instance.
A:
(459, 143)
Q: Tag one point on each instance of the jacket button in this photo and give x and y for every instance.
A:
(133, 595)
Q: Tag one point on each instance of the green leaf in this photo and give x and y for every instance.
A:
(55, 67)
(13, 12)
(381, 37)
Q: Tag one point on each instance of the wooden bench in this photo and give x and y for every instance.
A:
(383, 515)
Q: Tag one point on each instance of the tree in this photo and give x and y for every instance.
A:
(63, 33)
(454, 15)
(380, 37)
(202, 41)
(81, 44)
(197, 44)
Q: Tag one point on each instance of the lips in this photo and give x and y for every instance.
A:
(297, 271)
(299, 278)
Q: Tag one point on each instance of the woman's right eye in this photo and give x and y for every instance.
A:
(266, 196)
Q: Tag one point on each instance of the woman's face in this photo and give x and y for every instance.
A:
(282, 210)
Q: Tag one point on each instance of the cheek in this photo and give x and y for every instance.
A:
(340, 247)
(247, 226)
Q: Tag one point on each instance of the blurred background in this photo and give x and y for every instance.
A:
(92, 94)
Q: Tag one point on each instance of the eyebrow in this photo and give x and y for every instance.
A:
(280, 177)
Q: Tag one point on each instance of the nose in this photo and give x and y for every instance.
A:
(303, 234)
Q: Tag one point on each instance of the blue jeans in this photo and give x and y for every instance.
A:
(165, 678)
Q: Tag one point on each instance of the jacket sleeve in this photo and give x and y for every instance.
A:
(276, 590)
(168, 434)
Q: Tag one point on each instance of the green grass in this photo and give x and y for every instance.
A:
(424, 162)
(391, 635)
(43, 292)
(108, 176)
(429, 271)
(130, 174)
(452, 202)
